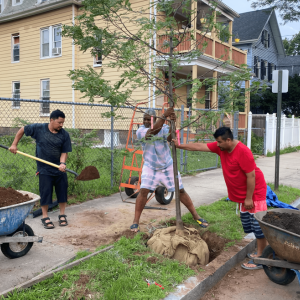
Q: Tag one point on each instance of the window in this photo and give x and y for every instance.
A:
(16, 94)
(257, 67)
(98, 57)
(207, 98)
(15, 47)
(45, 95)
(265, 38)
(51, 41)
(1, 6)
(16, 2)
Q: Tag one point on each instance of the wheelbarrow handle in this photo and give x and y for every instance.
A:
(41, 160)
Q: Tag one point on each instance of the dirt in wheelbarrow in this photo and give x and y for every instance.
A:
(289, 222)
(9, 196)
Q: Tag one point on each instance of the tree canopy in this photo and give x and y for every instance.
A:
(289, 10)
(292, 46)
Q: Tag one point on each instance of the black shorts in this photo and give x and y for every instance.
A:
(46, 184)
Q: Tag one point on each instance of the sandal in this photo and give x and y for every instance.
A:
(257, 267)
(201, 221)
(249, 255)
(62, 221)
(46, 224)
(135, 226)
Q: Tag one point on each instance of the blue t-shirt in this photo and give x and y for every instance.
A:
(157, 154)
(49, 146)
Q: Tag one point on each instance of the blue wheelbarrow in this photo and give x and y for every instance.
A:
(16, 237)
(281, 258)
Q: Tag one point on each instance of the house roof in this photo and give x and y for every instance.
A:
(289, 61)
(31, 7)
(250, 24)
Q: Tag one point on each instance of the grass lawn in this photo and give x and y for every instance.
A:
(284, 151)
(120, 273)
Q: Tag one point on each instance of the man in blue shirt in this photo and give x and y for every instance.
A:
(52, 144)
(158, 164)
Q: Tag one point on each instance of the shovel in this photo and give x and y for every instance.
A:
(88, 173)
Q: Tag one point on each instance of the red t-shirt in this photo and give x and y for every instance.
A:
(235, 165)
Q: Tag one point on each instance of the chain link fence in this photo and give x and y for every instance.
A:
(98, 139)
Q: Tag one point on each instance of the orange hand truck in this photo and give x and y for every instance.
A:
(133, 183)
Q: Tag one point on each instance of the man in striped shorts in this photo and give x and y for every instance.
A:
(158, 164)
(245, 183)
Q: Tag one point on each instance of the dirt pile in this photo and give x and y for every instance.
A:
(9, 196)
(88, 173)
(289, 222)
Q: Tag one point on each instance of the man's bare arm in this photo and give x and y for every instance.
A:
(250, 189)
(13, 148)
(158, 124)
(192, 146)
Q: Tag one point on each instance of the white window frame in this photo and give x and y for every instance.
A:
(207, 98)
(259, 68)
(42, 114)
(15, 104)
(12, 47)
(14, 2)
(1, 6)
(51, 42)
(266, 39)
(96, 63)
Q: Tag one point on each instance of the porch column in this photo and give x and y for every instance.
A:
(247, 101)
(213, 35)
(230, 40)
(194, 6)
(214, 94)
(194, 76)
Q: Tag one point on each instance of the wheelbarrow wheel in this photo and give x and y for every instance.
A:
(278, 275)
(15, 250)
(163, 196)
(129, 191)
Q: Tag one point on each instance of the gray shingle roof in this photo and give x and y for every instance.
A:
(9, 8)
(250, 24)
(289, 61)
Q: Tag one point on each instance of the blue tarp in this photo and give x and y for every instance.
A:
(272, 200)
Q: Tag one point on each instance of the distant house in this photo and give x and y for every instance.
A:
(290, 63)
(258, 33)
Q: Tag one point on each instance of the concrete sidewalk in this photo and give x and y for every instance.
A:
(96, 221)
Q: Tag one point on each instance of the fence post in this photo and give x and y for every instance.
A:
(283, 130)
(293, 126)
(181, 136)
(235, 124)
(274, 131)
(187, 141)
(266, 133)
(298, 132)
(111, 147)
(249, 130)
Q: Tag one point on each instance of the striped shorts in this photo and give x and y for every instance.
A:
(249, 222)
(151, 179)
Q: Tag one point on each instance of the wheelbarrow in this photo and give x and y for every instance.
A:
(281, 259)
(16, 237)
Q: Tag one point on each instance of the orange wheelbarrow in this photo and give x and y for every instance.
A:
(133, 184)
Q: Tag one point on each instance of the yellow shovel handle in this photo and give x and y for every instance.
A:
(36, 158)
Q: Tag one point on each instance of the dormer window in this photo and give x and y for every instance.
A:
(16, 2)
(265, 38)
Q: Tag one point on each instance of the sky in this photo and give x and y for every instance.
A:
(287, 30)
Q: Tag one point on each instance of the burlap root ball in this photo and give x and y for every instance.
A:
(190, 249)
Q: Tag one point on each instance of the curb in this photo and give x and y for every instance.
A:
(192, 289)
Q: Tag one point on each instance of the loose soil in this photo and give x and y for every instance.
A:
(88, 173)
(9, 196)
(289, 222)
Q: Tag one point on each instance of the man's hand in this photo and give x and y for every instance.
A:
(175, 142)
(62, 168)
(169, 112)
(173, 117)
(13, 149)
(249, 204)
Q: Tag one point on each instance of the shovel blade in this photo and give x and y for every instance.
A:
(88, 173)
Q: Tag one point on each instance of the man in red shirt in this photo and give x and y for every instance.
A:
(245, 182)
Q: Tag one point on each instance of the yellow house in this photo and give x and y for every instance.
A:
(35, 59)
